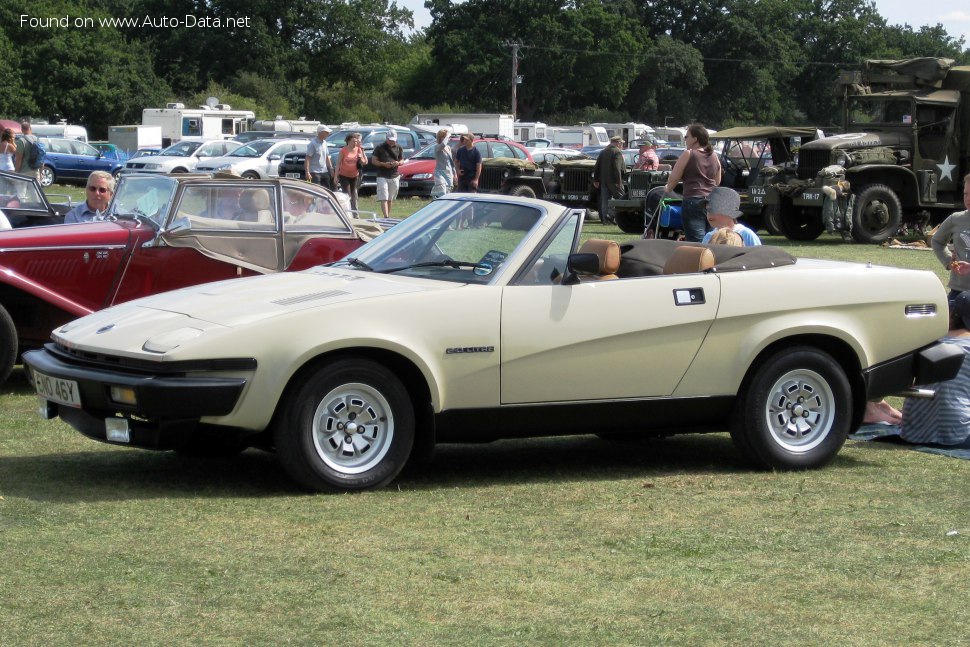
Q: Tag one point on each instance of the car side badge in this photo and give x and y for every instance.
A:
(689, 297)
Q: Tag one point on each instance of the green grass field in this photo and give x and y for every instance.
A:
(559, 541)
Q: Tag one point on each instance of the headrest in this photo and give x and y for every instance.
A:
(688, 259)
(254, 200)
(608, 252)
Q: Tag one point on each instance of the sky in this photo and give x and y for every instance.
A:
(954, 15)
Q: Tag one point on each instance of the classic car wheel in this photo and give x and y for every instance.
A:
(877, 214)
(350, 426)
(796, 411)
(47, 176)
(8, 344)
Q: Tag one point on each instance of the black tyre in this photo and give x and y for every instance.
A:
(180, 170)
(250, 175)
(8, 344)
(47, 176)
(796, 411)
(522, 191)
(771, 218)
(629, 221)
(349, 426)
(800, 224)
(876, 215)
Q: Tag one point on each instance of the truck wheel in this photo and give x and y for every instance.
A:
(630, 222)
(796, 411)
(348, 426)
(8, 344)
(877, 214)
(771, 217)
(522, 191)
(47, 176)
(800, 224)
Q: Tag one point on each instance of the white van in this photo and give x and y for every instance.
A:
(65, 130)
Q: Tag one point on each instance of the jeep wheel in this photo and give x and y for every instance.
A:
(771, 218)
(8, 344)
(522, 191)
(796, 411)
(630, 222)
(47, 176)
(877, 214)
(348, 426)
(800, 224)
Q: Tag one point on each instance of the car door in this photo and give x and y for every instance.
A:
(59, 157)
(24, 203)
(88, 159)
(624, 338)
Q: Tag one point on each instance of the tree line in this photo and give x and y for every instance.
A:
(100, 62)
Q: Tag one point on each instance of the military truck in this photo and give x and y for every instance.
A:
(748, 155)
(900, 161)
(514, 176)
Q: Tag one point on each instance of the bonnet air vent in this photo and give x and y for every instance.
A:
(921, 310)
(313, 296)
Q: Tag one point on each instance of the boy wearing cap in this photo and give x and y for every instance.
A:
(318, 165)
(387, 158)
(723, 210)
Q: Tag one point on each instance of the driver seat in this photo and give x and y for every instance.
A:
(608, 252)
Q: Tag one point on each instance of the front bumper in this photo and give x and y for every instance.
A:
(931, 364)
(169, 401)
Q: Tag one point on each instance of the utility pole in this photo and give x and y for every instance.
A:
(516, 79)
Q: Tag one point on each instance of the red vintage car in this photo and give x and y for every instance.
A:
(162, 233)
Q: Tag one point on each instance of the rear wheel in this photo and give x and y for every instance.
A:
(771, 217)
(795, 413)
(876, 215)
(8, 344)
(349, 426)
(629, 221)
(47, 176)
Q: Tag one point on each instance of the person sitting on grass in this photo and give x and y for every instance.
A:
(945, 419)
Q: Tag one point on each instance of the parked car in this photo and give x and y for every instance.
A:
(253, 135)
(539, 142)
(165, 232)
(110, 151)
(481, 317)
(182, 157)
(258, 159)
(371, 136)
(147, 151)
(72, 161)
(417, 173)
(24, 204)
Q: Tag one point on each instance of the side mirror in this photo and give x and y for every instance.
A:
(578, 264)
(273, 158)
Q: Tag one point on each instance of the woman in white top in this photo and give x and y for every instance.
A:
(8, 147)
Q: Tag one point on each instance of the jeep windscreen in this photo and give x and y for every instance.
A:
(870, 111)
(254, 149)
(143, 197)
(181, 149)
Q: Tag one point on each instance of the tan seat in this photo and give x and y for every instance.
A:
(255, 206)
(608, 252)
(688, 259)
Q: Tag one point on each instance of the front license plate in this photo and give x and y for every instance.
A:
(402, 184)
(293, 175)
(57, 390)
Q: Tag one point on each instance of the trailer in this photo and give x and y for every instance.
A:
(60, 129)
(629, 131)
(577, 136)
(217, 121)
(480, 123)
(134, 137)
(301, 125)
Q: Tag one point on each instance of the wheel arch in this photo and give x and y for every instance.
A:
(902, 182)
(838, 349)
(411, 375)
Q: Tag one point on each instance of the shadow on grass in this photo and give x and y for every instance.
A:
(115, 473)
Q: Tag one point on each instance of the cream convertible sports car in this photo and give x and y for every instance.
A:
(478, 318)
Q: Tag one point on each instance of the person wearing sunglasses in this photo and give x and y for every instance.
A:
(100, 188)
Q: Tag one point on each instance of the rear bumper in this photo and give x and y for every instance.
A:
(931, 364)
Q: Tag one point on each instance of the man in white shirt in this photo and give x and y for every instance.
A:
(318, 165)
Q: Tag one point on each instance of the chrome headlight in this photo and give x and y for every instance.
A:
(841, 158)
(423, 176)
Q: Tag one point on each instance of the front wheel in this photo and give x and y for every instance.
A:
(522, 191)
(250, 175)
(349, 426)
(796, 411)
(877, 214)
(8, 344)
(47, 176)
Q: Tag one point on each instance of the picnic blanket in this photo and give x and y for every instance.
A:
(890, 434)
